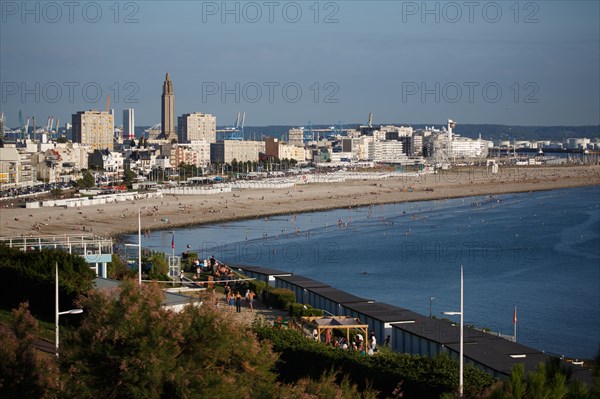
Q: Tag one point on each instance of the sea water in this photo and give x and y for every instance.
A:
(538, 252)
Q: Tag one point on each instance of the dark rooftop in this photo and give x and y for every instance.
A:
(338, 296)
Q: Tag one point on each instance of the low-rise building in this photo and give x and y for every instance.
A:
(106, 160)
(389, 151)
(242, 151)
(275, 149)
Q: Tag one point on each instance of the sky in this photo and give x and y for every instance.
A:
(295, 62)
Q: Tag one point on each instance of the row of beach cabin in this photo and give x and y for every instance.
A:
(410, 332)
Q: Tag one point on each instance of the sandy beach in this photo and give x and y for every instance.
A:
(169, 212)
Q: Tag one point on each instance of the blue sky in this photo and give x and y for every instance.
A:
(525, 63)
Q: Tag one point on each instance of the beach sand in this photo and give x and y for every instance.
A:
(169, 212)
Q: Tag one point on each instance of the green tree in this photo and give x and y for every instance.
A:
(146, 351)
(129, 177)
(159, 267)
(22, 373)
(327, 387)
(551, 379)
(118, 269)
(30, 276)
(87, 180)
(125, 347)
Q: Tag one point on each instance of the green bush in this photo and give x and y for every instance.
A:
(421, 376)
(301, 310)
(159, 267)
(281, 298)
(187, 263)
(257, 286)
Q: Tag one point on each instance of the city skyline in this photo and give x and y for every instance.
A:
(532, 64)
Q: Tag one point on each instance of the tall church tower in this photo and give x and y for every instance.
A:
(168, 111)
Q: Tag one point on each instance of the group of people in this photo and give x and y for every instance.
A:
(206, 265)
(235, 299)
(358, 344)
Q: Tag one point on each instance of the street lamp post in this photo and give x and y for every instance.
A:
(431, 298)
(58, 313)
(461, 313)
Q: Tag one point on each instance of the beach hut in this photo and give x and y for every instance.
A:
(299, 285)
(260, 273)
(331, 299)
(491, 353)
(379, 316)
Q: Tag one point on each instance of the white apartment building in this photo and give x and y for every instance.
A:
(386, 151)
(296, 137)
(195, 127)
(288, 151)
(468, 148)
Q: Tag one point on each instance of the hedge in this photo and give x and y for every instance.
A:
(280, 298)
(300, 310)
(421, 376)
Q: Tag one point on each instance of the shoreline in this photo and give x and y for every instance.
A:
(118, 219)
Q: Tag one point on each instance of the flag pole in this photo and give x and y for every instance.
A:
(139, 246)
(172, 261)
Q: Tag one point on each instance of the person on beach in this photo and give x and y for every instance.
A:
(251, 295)
(238, 302)
(373, 341)
(213, 263)
(230, 301)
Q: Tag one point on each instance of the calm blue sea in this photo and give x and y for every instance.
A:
(537, 251)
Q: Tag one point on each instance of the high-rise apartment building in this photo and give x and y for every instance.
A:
(128, 124)
(93, 128)
(197, 127)
(296, 137)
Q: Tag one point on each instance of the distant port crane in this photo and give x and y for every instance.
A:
(235, 132)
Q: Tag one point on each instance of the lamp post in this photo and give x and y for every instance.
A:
(58, 313)
(431, 298)
(461, 313)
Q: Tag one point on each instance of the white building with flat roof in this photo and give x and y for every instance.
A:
(390, 151)
(461, 147)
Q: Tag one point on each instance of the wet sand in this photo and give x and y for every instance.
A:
(169, 212)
